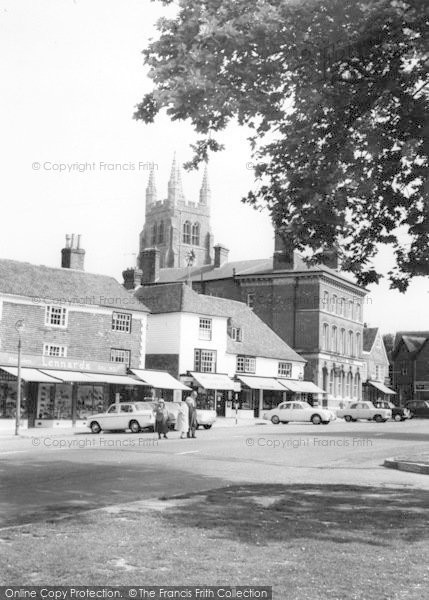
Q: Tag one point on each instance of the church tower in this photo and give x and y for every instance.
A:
(177, 228)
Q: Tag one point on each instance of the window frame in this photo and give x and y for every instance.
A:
(245, 364)
(199, 360)
(123, 314)
(288, 371)
(62, 350)
(186, 233)
(205, 333)
(63, 317)
(126, 352)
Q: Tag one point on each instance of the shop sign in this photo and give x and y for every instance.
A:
(65, 364)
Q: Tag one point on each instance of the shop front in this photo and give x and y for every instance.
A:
(216, 391)
(306, 391)
(159, 384)
(374, 391)
(260, 393)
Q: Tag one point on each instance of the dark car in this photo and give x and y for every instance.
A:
(418, 408)
(399, 413)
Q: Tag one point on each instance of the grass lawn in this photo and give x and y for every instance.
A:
(307, 542)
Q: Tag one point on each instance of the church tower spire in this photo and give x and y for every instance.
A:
(205, 192)
(175, 192)
(151, 195)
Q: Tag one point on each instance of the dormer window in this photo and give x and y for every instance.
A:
(236, 334)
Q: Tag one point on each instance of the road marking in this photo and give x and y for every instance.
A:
(189, 452)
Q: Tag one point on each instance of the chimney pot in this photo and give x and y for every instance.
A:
(220, 255)
(72, 257)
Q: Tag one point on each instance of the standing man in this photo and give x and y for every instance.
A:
(191, 401)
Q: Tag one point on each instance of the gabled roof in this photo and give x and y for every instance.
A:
(243, 268)
(369, 335)
(414, 334)
(413, 344)
(44, 284)
(258, 338)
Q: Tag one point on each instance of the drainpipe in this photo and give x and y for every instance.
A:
(295, 295)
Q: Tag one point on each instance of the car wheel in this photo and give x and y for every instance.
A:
(285, 422)
(398, 418)
(348, 418)
(275, 420)
(95, 427)
(326, 422)
(316, 419)
(378, 419)
(207, 426)
(134, 426)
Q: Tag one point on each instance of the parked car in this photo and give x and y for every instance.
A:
(399, 413)
(364, 410)
(298, 412)
(418, 408)
(121, 416)
(205, 417)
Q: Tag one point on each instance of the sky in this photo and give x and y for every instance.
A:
(74, 161)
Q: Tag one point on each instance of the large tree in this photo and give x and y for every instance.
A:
(336, 93)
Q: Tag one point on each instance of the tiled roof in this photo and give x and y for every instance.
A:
(258, 338)
(413, 343)
(369, 335)
(43, 284)
(243, 268)
(414, 334)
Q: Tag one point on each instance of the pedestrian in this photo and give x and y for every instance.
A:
(182, 421)
(161, 419)
(191, 401)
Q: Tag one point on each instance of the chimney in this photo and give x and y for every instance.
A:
(73, 256)
(132, 278)
(149, 264)
(331, 259)
(220, 255)
(284, 258)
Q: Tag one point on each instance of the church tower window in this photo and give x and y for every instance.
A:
(161, 233)
(186, 232)
(153, 238)
(196, 234)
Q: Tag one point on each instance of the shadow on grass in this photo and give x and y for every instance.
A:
(261, 514)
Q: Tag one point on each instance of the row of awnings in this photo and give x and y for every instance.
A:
(218, 381)
(144, 377)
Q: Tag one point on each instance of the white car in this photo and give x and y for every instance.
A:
(298, 412)
(124, 415)
(364, 410)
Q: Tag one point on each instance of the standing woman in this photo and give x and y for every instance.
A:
(161, 419)
(191, 401)
(182, 423)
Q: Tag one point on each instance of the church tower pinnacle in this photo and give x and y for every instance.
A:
(205, 192)
(151, 196)
(175, 192)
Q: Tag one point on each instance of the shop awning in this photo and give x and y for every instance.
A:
(261, 383)
(216, 381)
(31, 375)
(302, 387)
(115, 379)
(159, 379)
(70, 376)
(382, 388)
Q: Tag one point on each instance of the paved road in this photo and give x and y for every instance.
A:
(47, 476)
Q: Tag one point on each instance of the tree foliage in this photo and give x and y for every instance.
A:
(336, 93)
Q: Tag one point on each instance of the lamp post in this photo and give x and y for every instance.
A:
(19, 326)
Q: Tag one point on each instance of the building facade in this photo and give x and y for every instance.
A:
(376, 380)
(220, 347)
(410, 366)
(81, 333)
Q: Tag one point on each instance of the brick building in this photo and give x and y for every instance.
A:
(410, 365)
(317, 310)
(81, 333)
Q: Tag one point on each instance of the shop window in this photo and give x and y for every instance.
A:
(119, 355)
(196, 234)
(356, 387)
(205, 361)
(285, 369)
(205, 329)
(54, 350)
(186, 232)
(246, 364)
(331, 383)
(121, 322)
(56, 316)
(348, 385)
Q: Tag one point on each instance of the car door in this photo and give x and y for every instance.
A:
(297, 413)
(284, 411)
(365, 410)
(125, 415)
(110, 419)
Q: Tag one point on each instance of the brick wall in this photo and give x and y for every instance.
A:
(164, 362)
(87, 335)
(422, 364)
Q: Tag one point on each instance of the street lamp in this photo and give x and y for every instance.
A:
(19, 326)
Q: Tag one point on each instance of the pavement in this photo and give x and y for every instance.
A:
(413, 463)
